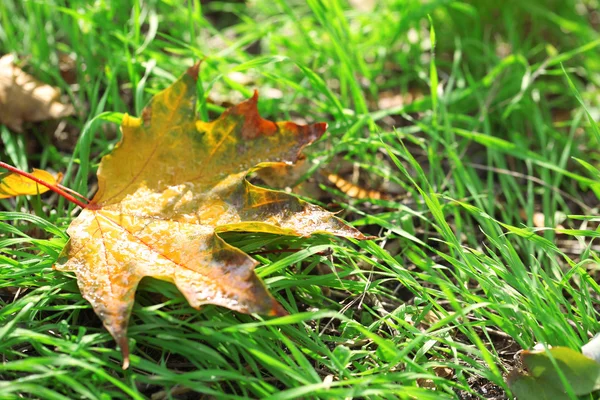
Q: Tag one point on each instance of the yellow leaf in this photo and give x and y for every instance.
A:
(165, 193)
(17, 185)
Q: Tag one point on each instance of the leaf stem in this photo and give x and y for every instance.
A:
(71, 191)
(54, 188)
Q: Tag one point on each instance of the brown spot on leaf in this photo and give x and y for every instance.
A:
(147, 115)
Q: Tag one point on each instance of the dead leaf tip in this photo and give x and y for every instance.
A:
(319, 129)
(311, 133)
(194, 70)
(124, 345)
(277, 310)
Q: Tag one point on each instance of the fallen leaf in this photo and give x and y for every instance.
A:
(12, 184)
(426, 383)
(281, 175)
(26, 99)
(443, 372)
(440, 372)
(165, 193)
(526, 387)
(592, 348)
(540, 380)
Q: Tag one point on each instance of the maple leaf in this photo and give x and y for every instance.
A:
(13, 184)
(24, 98)
(165, 193)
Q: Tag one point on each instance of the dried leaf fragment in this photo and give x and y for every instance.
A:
(23, 98)
(12, 184)
(165, 193)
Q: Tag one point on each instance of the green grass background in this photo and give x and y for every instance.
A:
(459, 278)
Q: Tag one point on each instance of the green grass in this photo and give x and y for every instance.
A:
(459, 277)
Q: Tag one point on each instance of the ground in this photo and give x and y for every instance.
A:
(457, 135)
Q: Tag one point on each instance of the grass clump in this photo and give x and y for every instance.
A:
(461, 120)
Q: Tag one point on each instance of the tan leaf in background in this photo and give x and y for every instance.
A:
(23, 98)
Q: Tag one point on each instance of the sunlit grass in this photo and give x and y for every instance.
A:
(460, 277)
